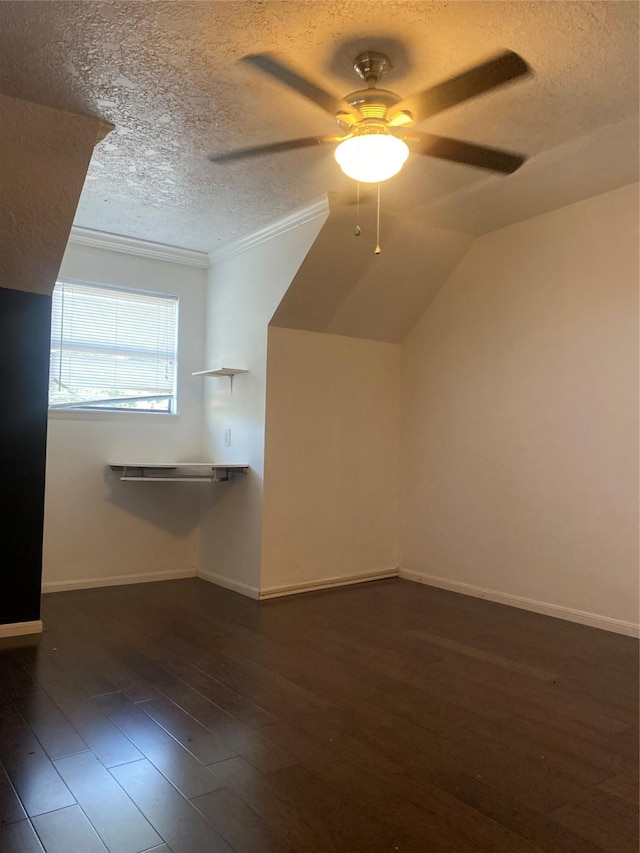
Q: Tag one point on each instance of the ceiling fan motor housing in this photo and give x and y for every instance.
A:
(370, 104)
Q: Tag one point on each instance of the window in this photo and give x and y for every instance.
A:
(112, 348)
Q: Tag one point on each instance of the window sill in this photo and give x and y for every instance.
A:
(111, 416)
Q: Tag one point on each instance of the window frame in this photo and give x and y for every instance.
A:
(87, 411)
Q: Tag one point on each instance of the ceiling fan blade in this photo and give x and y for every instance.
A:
(476, 81)
(272, 67)
(464, 152)
(272, 148)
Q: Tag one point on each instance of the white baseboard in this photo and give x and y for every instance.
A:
(325, 583)
(559, 611)
(19, 629)
(118, 580)
(228, 583)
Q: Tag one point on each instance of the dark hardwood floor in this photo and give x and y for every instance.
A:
(388, 716)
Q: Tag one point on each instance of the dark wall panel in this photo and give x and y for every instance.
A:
(25, 323)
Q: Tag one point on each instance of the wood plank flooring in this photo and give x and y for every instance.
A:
(179, 717)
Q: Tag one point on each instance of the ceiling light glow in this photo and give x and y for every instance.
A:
(372, 157)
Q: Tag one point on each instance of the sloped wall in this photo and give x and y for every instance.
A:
(44, 154)
(519, 441)
(343, 288)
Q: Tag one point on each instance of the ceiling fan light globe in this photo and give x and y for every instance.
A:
(371, 158)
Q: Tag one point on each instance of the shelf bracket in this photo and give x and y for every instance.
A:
(222, 371)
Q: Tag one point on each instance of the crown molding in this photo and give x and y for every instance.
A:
(135, 246)
(314, 210)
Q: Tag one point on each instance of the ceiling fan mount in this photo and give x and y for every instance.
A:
(371, 112)
(371, 66)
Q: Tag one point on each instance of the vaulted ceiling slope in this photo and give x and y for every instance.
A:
(343, 288)
(39, 194)
(167, 75)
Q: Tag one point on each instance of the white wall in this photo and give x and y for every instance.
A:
(520, 416)
(331, 462)
(98, 529)
(244, 291)
(517, 430)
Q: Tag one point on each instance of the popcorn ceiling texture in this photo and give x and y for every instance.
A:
(44, 155)
(167, 76)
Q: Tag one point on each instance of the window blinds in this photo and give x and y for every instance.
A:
(112, 348)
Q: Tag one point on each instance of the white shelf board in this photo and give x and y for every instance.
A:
(220, 371)
(152, 479)
(216, 466)
(185, 472)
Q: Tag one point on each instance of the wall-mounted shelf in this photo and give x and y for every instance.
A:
(220, 371)
(178, 472)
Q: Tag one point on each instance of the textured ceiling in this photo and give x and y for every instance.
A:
(167, 75)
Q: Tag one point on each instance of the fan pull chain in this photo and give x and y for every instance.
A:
(357, 232)
(378, 249)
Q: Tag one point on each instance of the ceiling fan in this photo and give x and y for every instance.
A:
(376, 124)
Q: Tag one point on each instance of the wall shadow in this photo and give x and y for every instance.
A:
(171, 506)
